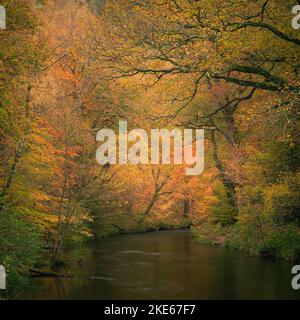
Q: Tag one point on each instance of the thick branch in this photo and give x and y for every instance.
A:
(268, 27)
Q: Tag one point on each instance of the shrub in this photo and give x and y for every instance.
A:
(283, 244)
(221, 211)
(247, 234)
(20, 247)
(282, 201)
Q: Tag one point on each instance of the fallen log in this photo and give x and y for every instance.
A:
(35, 273)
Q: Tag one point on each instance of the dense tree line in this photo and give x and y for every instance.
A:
(70, 68)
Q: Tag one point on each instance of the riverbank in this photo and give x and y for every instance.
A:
(110, 225)
(282, 242)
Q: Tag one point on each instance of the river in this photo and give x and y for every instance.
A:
(166, 265)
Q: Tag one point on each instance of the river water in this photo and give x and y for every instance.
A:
(166, 265)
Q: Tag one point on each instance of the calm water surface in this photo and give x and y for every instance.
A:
(167, 265)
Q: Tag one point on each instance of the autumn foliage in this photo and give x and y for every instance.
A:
(70, 68)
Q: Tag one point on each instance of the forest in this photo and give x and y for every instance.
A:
(69, 68)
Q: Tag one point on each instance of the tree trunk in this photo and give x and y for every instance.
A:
(186, 207)
(227, 182)
(151, 204)
(18, 153)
